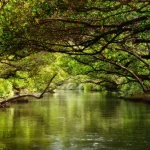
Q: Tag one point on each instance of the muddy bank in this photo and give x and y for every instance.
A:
(139, 97)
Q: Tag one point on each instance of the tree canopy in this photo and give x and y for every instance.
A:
(108, 41)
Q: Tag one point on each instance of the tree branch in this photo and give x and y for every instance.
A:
(3, 103)
(127, 70)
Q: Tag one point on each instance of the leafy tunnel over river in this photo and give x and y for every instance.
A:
(105, 43)
(85, 46)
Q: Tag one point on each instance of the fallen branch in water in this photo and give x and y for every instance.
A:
(4, 102)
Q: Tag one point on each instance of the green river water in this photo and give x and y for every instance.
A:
(72, 120)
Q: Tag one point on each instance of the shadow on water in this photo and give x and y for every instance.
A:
(73, 120)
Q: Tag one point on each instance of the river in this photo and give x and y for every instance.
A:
(73, 120)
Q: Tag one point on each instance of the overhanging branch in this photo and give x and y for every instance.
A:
(2, 103)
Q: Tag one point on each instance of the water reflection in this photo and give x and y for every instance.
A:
(74, 121)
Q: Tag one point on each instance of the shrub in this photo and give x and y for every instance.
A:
(6, 89)
(130, 89)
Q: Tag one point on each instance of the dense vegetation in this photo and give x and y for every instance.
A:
(105, 43)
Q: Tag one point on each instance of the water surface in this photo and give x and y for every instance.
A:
(71, 120)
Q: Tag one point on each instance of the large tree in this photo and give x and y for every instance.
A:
(110, 37)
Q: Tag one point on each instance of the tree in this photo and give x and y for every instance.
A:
(110, 37)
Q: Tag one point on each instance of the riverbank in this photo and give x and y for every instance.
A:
(139, 97)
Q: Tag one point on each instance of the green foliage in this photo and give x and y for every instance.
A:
(130, 89)
(5, 88)
(101, 38)
(88, 87)
(93, 87)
